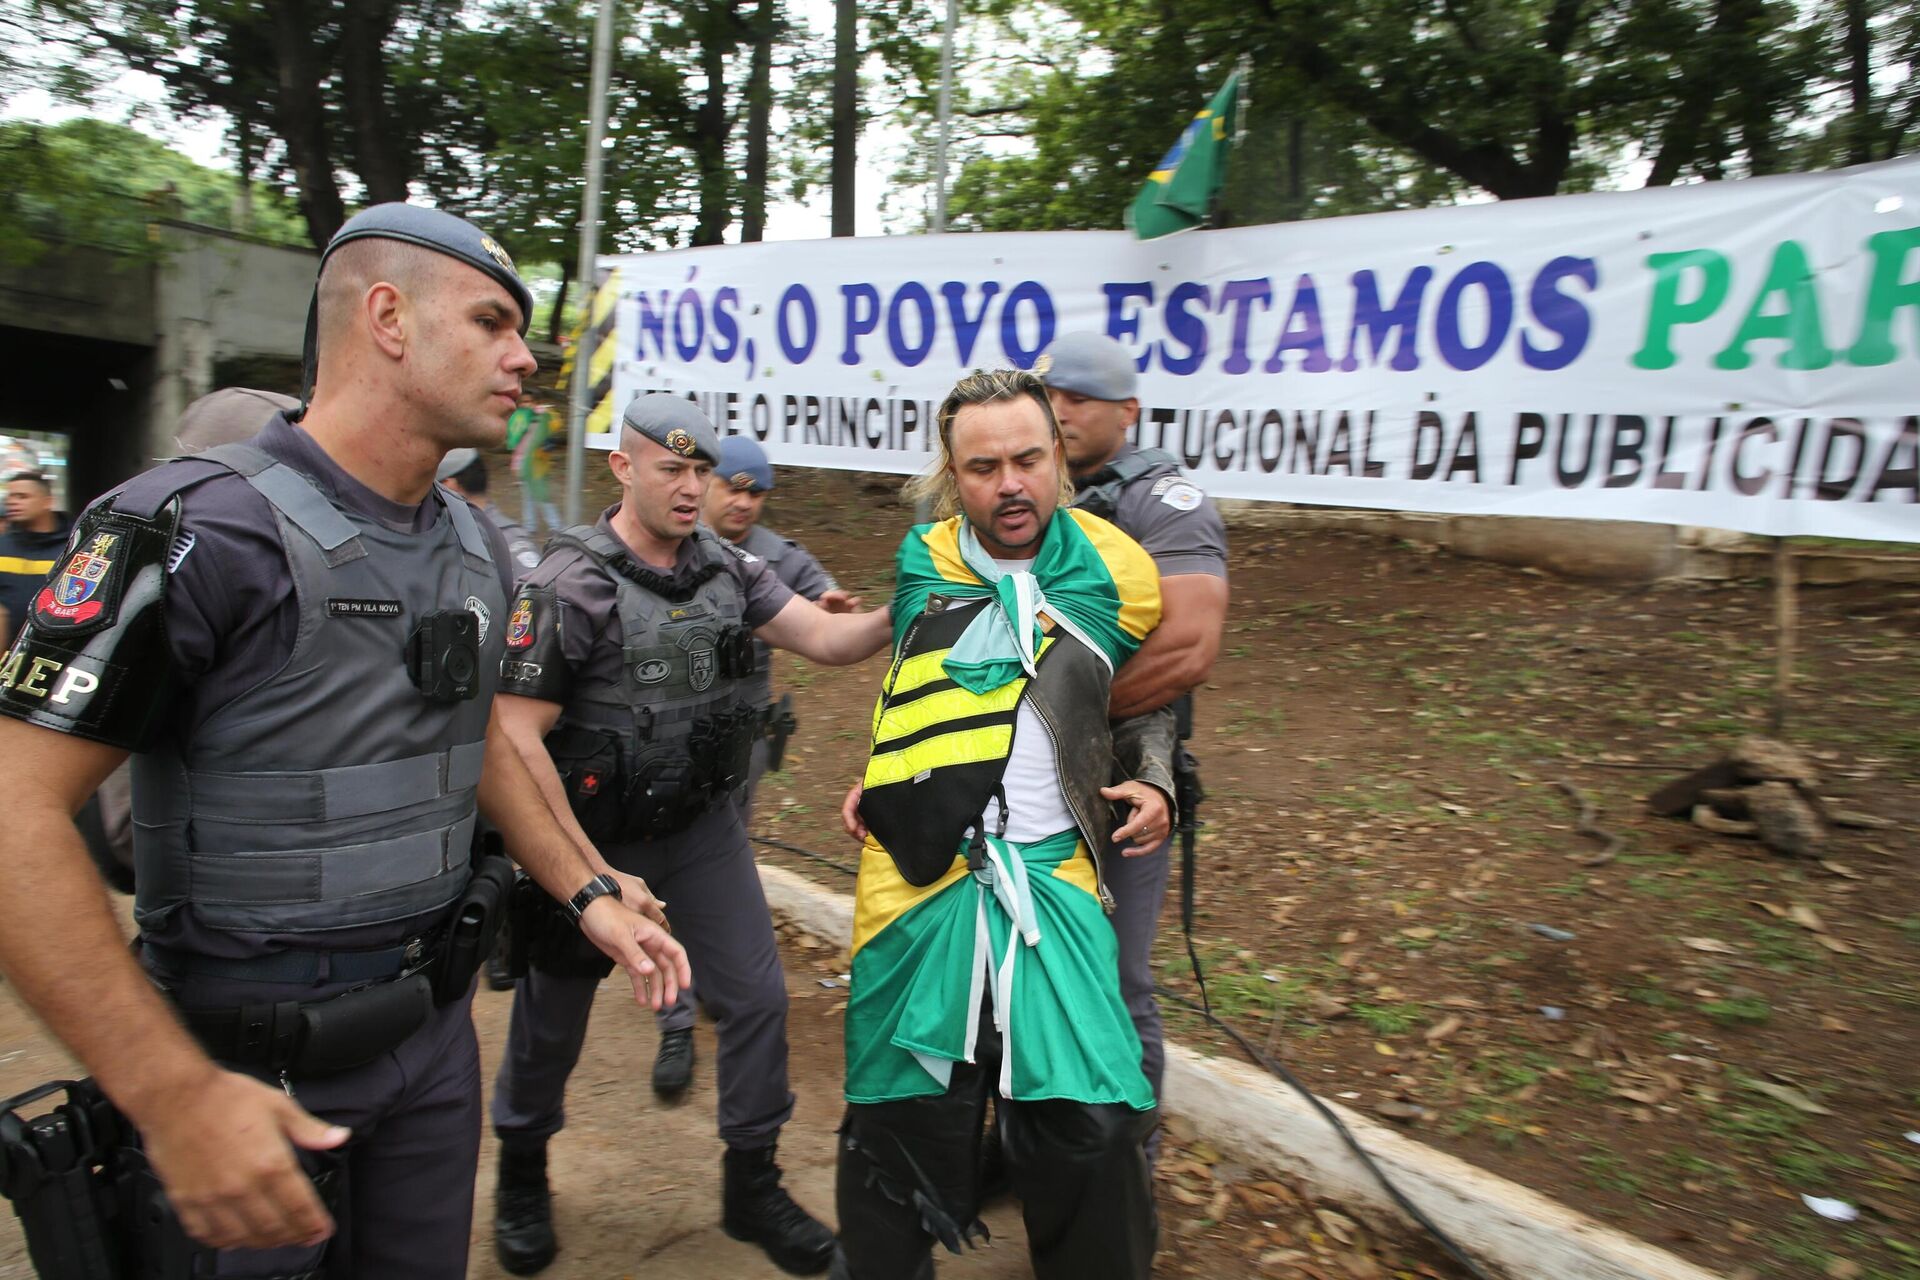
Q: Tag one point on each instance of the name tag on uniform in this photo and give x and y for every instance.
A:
(342, 608)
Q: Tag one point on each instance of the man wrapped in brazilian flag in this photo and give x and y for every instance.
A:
(982, 960)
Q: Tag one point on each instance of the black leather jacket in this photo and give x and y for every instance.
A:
(1069, 694)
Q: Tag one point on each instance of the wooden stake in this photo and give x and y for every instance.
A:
(1786, 624)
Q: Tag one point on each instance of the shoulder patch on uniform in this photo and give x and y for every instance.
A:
(528, 559)
(520, 624)
(746, 556)
(1181, 496)
(1164, 483)
(85, 588)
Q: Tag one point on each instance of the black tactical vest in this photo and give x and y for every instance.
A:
(646, 755)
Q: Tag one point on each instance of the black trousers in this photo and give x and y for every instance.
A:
(908, 1175)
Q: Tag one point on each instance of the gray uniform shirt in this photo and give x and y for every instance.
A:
(794, 565)
(590, 637)
(521, 547)
(1174, 520)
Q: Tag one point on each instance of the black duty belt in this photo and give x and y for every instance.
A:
(296, 967)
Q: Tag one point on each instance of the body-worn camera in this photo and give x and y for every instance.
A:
(443, 656)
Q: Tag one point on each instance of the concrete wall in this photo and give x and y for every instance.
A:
(219, 297)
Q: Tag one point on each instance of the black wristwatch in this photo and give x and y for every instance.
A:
(598, 887)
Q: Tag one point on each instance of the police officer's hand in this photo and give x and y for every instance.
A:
(656, 963)
(850, 813)
(225, 1152)
(634, 892)
(838, 600)
(1150, 823)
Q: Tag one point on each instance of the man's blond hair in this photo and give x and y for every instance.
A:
(937, 485)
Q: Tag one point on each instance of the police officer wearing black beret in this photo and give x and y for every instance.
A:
(297, 638)
(628, 689)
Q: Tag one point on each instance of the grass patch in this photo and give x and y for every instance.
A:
(1744, 1011)
(1389, 1019)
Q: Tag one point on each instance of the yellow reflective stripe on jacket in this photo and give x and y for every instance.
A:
(936, 708)
(921, 668)
(15, 564)
(966, 746)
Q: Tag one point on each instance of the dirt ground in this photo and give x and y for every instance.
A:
(1682, 1041)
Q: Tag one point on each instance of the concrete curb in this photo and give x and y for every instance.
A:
(1243, 1110)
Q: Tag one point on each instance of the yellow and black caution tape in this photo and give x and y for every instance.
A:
(593, 342)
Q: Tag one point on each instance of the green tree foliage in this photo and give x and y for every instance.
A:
(1378, 104)
(94, 182)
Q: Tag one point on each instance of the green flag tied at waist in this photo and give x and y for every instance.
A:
(1182, 186)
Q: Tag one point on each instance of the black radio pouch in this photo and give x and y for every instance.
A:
(477, 921)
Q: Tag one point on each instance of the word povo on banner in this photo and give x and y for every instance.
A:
(1739, 354)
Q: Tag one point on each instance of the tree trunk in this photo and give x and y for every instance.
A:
(753, 199)
(846, 112)
(711, 126)
(301, 118)
(1859, 48)
(556, 324)
(379, 148)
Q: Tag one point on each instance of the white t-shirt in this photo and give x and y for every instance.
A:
(1036, 805)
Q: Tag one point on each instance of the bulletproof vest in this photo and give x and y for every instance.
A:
(1101, 492)
(646, 754)
(938, 751)
(334, 794)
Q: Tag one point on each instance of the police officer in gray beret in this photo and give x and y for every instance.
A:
(296, 637)
(628, 689)
(465, 472)
(735, 498)
(1093, 384)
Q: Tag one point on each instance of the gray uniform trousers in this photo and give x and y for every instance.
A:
(409, 1167)
(1139, 887)
(707, 878)
(678, 1016)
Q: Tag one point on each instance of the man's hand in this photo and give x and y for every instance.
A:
(1150, 823)
(634, 893)
(655, 963)
(850, 813)
(838, 600)
(225, 1152)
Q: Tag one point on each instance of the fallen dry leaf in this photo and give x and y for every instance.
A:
(1832, 943)
(1713, 946)
(1789, 1095)
(1445, 1027)
(1806, 918)
(1773, 909)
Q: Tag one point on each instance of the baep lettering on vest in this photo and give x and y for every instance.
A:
(647, 754)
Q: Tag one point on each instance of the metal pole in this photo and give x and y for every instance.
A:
(589, 250)
(946, 118)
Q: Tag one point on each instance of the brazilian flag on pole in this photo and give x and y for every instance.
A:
(1181, 188)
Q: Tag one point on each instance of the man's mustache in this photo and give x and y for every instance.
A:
(1014, 504)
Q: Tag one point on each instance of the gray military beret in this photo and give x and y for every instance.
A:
(1090, 364)
(743, 465)
(456, 461)
(674, 423)
(442, 232)
(227, 415)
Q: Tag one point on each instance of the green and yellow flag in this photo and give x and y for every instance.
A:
(1181, 188)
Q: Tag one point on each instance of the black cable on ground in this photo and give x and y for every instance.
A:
(1278, 1068)
(784, 847)
(1273, 1065)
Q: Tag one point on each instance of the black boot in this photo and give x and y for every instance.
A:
(673, 1064)
(758, 1210)
(522, 1207)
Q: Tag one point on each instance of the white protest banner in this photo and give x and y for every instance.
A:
(1738, 354)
